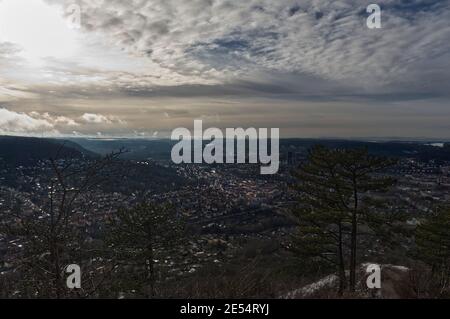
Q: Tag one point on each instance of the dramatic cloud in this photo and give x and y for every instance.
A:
(152, 65)
(224, 40)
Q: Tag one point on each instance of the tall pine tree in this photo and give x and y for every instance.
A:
(139, 236)
(433, 247)
(335, 190)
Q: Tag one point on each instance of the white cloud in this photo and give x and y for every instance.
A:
(21, 123)
(8, 49)
(101, 119)
(55, 120)
(35, 123)
(95, 118)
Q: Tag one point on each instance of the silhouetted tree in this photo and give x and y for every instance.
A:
(336, 188)
(433, 247)
(53, 233)
(138, 237)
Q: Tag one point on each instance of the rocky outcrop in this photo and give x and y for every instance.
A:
(395, 284)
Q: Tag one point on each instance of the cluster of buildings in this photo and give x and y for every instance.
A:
(225, 206)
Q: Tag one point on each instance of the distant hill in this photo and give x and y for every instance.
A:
(413, 149)
(137, 149)
(140, 149)
(27, 150)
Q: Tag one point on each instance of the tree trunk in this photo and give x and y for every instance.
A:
(150, 265)
(353, 244)
(342, 277)
(354, 235)
(54, 258)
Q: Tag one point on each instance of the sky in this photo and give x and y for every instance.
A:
(137, 68)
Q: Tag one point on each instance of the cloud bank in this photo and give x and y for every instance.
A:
(21, 123)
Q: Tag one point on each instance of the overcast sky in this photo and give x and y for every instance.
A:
(142, 68)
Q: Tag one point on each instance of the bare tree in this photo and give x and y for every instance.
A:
(53, 234)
